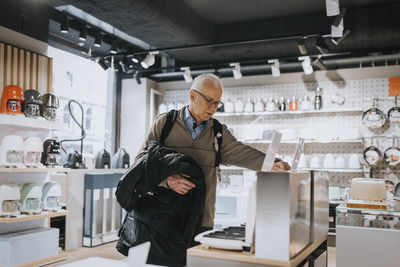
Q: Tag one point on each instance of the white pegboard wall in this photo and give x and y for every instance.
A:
(357, 94)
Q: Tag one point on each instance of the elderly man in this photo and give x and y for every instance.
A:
(192, 134)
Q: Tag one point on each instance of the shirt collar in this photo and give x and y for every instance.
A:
(188, 117)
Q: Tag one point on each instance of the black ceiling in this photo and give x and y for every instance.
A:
(274, 27)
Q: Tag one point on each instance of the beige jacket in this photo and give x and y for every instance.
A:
(202, 151)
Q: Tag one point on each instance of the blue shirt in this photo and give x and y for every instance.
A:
(190, 123)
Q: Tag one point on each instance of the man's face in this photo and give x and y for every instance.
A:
(204, 101)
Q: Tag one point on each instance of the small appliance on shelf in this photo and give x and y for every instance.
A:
(32, 151)
(12, 151)
(89, 160)
(50, 196)
(103, 159)
(121, 159)
(11, 100)
(50, 104)
(51, 153)
(31, 196)
(32, 103)
(9, 199)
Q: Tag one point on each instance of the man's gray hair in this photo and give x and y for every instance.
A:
(206, 77)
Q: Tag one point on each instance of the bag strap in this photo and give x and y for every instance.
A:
(171, 117)
(217, 140)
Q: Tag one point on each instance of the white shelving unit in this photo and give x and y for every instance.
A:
(34, 170)
(235, 168)
(261, 142)
(21, 121)
(297, 112)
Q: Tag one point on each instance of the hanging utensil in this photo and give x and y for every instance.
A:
(374, 118)
(392, 155)
(372, 155)
(394, 112)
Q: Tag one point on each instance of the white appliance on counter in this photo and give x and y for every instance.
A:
(50, 197)
(9, 199)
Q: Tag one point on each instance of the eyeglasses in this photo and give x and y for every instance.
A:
(211, 102)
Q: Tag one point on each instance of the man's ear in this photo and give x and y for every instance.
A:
(191, 95)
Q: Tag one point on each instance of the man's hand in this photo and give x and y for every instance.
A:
(179, 183)
(280, 166)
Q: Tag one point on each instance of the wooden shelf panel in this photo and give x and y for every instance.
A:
(43, 215)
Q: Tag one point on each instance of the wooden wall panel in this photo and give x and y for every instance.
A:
(25, 69)
(7, 72)
(33, 82)
(2, 69)
(21, 68)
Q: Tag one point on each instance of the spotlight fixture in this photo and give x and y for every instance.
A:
(317, 62)
(83, 34)
(64, 28)
(123, 66)
(97, 40)
(275, 67)
(321, 45)
(332, 8)
(339, 17)
(306, 64)
(149, 60)
(237, 74)
(187, 75)
(136, 76)
(113, 49)
(336, 42)
(102, 63)
(135, 60)
(337, 31)
(302, 46)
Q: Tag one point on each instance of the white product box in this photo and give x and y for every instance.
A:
(22, 247)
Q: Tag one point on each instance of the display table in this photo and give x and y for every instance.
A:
(201, 256)
(367, 237)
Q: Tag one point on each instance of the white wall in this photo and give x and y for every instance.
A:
(134, 115)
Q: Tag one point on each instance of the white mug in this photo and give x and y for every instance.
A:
(302, 162)
(314, 163)
(340, 163)
(329, 162)
(354, 162)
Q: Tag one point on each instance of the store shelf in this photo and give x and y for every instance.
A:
(299, 112)
(43, 215)
(261, 142)
(306, 169)
(35, 170)
(21, 121)
(60, 257)
(336, 170)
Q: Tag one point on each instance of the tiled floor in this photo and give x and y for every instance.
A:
(109, 251)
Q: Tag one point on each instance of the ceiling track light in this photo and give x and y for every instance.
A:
(237, 74)
(317, 62)
(332, 7)
(135, 60)
(339, 18)
(136, 76)
(114, 48)
(102, 63)
(149, 60)
(123, 66)
(97, 40)
(321, 46)
(338, 41)
(302, 46)
(64, 27)
(275, 67)
(306, 64)
(187, 74)
(83, 34)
